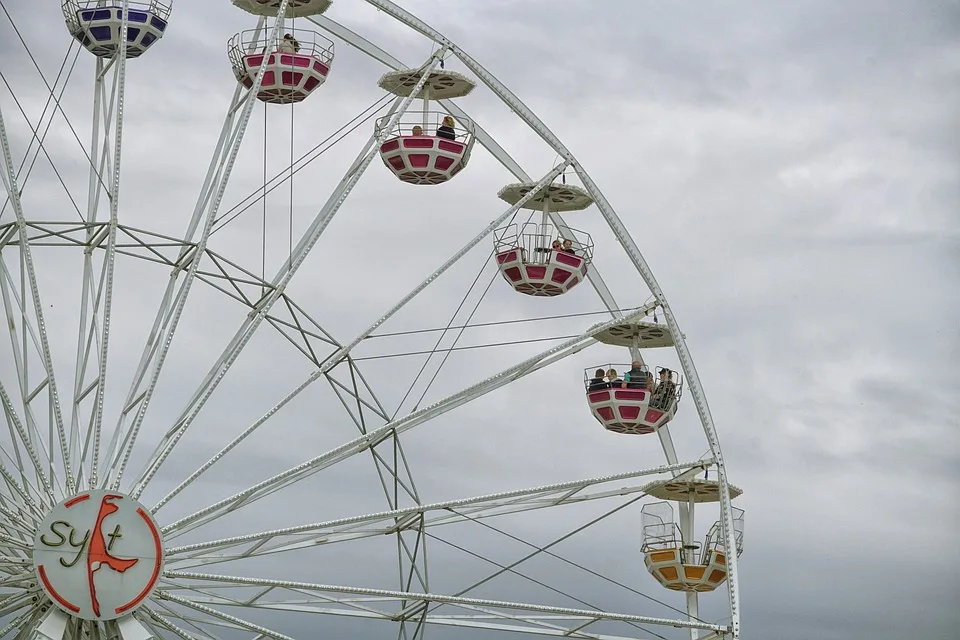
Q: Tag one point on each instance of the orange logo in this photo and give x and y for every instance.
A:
(120, 544)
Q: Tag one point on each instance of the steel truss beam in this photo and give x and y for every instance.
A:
(431, 515)
(97, 291)
(488, 609)
(239, 284)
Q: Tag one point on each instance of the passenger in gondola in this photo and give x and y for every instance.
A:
(289, 44)
(546, 255)
(613, 379)
(666, 389)
(597, 382)
(417, 130)
(636, 378)
(446, 130)
(568, 247)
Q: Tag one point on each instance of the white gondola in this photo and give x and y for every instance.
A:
(426, 147)
(675, 560)
(417, 153)
(633, 407)
(97, 25)
(296, 66)
(529, 260)
(543, 260)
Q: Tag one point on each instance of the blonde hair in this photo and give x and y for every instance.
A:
(448, 121)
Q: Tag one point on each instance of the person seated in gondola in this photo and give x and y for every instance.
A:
(544, 254)
(666, 389)
(636, 378)
(446, 130)
(289, 44)
(613, 379)
(568, 247)
(597, 382)
(417, 130)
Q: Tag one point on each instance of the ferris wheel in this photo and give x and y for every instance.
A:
(157, 383)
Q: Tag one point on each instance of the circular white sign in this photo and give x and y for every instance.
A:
(98, 555)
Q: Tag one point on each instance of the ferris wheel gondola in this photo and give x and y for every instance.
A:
(533, 258)
(98, 25)
(429, 147)
(296, 64)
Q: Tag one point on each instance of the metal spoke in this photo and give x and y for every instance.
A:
(432, 515)
(488, 606)
(97, 294)
(10, 183)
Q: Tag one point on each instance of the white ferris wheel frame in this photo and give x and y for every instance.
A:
(75, 444)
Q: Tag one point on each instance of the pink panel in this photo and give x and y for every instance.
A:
(418, 160)
(605, 412)
(560, 276)
(312, 83)
(629, 413)
(295, 60)
(319, 67)
(567, 258)
(507, 256)
(599, 396)
(653, 415)
(418, 142)
(443, 163)
(513, 273)
(247, 82)
(637, 395)
(390, 145)
(448, 145)
(268, 79)
(572, 284)
(397, 163)
(536, 273)
(255, 60)
(291, 78)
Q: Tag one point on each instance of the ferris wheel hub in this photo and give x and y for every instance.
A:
(98, 555)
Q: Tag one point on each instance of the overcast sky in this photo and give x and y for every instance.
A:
(790, 170)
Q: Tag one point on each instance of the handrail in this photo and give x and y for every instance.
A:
(536, 241)
(257, 42)
(428, 122)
